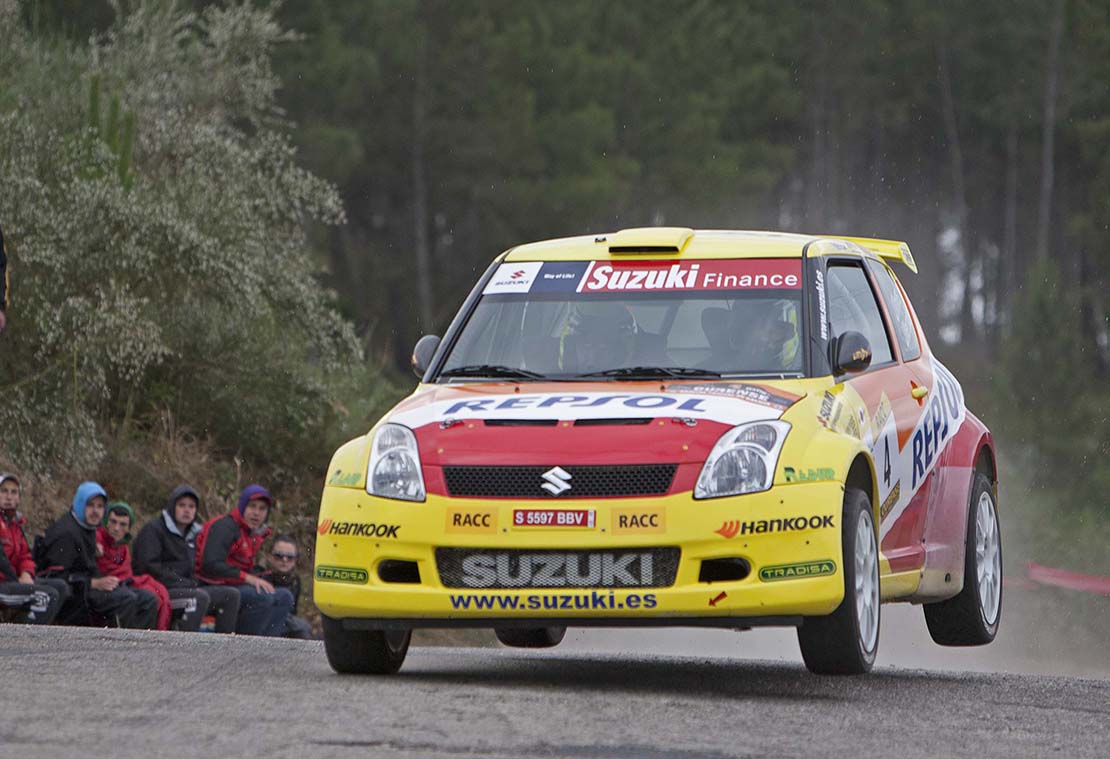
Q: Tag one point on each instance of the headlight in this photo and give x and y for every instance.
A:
(394, 470)
(743, 460)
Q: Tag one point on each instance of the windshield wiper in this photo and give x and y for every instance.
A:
(490, 370)
(653, 371)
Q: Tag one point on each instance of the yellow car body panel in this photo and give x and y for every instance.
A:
(692, 525)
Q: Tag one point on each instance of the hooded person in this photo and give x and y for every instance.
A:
(166, 548)
(226, 550)
(36, 600)
(69, 553)
(113, 558)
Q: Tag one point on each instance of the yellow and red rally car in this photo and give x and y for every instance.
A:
(668, 427)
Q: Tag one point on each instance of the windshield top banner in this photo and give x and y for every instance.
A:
(647, 276)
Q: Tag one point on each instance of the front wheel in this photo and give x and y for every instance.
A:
(364, 652)
(847, 641)
(971, 618)
(538, 637)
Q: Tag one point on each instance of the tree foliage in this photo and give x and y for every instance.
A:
(453, 130)
(156, 220)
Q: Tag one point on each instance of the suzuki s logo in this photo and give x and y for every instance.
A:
(556, 480)
(517, 274)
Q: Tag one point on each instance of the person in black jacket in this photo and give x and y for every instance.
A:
(69, 552)
(283, 574)
(166, 548)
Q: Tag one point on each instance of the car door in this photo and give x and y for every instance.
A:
(887, 410)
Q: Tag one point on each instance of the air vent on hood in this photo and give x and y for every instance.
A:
(611, 422)
(650, 240)
(521, 422)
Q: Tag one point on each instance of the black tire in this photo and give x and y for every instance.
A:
(364, 652)
(963, 620)
(835, 645)
(534, 637)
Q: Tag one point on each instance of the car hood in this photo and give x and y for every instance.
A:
(584, 423)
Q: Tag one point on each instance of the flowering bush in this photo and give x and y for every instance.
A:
(156, 225)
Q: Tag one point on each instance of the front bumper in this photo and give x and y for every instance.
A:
(790, 536)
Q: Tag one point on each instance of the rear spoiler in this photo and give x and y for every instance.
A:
(888, 250)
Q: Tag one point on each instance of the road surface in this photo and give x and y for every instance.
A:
(114, 693)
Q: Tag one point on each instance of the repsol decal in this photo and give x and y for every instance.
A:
(730, 529)
(358, 529)
(799, 570)
(726, 409)
(472, 520)
(902, 464)
(353, 575)
(942, 418)
(628, 521)
(689, 405)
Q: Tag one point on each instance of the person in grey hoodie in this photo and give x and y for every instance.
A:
(166, 549)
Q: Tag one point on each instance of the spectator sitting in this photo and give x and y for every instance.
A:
(113, 558)
(166, 549)
(69, 552)
(226, 551)
(283, 574)
(38, 601)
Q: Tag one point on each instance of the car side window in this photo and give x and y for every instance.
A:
(899, 313)
(852, 306)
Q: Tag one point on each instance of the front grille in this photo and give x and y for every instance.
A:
(478, 568)
(584, 482)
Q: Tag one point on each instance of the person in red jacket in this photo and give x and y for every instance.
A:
(113, 559)
(37, 599)
(226, 550)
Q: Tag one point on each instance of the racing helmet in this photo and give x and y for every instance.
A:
(765, 332)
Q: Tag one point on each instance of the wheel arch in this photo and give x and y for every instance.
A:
(987, 465)
(861, 474)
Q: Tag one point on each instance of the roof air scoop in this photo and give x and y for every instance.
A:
(648, 240)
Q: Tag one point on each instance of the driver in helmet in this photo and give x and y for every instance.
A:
(764, 335)
(599, 335)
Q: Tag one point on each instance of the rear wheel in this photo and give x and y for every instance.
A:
(364, 652)
(846, 641)
(971, 618)
(535, 637)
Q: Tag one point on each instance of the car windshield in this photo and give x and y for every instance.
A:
(634, 319)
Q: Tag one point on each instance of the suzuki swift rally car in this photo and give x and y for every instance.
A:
(668, 427)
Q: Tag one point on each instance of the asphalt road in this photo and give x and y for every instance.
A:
(109, 693)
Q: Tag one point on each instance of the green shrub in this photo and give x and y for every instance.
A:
(156, 219)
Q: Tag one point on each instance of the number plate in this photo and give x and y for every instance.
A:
(558, 518)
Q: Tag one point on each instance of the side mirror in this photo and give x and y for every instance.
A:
(423, 352)
(851, 353)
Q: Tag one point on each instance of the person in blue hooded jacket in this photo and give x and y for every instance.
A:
(69, 552)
